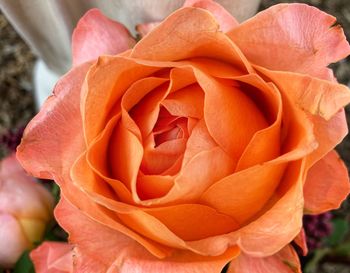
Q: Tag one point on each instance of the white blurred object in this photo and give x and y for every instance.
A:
(47, 25)
(44, 81)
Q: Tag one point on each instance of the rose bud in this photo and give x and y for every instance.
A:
(25, 208)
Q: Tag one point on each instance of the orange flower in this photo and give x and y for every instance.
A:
(196, 146)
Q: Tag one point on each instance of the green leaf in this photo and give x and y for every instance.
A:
(342, 250)
(24, 264)
(340, 229)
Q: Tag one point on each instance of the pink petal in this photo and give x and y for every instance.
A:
(285, 261)
(53, 257)
(20, 194)
(97, 35)
(112, 251)
(13, 241)
(54, 138)
(292, 37)
(327, 184)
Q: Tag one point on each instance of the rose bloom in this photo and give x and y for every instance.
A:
(203, 144)
(25, 208)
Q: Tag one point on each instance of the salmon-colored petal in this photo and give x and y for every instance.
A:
(238, 117)
(53, 257)
(125, 155)
(186, 221)
(278, 223)
(225, 19)
(54, 138)
(96, 35)
(285, 261)
(328, 134)
(11, 236)
(122, 254)
(243, 194)
(316, 96)
(259, 149)
(106, 83)
(300, 241)
(153, 186)
(187, 102)
(292, 37)
(195, 35)
(327, 184)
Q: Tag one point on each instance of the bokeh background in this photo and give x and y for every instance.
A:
(329, 235)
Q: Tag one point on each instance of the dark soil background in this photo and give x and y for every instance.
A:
(17, 101)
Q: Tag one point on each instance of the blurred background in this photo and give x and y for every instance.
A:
(328, 234)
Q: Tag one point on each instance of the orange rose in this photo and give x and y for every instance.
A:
(196, 147)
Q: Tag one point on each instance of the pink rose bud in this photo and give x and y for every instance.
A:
(25, 208)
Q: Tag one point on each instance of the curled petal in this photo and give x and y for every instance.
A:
(97, 35)
(225, 19)
(54, 138)
(316, 96)
(285, 261)
(300, 241)
(122, 254)
(188, 33)
(292, 37)
(327, 184)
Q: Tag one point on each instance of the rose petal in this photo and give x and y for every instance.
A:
(97, 35)
(53, 257)
(195, 35)
(186, 221)
(277, 223)
(292, 37)
(122, 254)
(241, 195)
(237, 110)
(316, 96)
(225, 19)
(105, 84)
(285, 261)
(327, 184)
(328, 134)
(300, 241)
(54, 138)
(187, 102)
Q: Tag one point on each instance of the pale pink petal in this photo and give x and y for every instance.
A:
(97, 35)
(53, 257)
(21, 195)
(284, 261)
(13, 241)
(292, 37)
